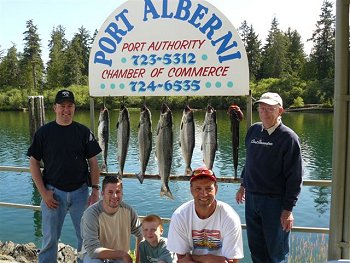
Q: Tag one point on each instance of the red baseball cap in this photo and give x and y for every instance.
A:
(203, 172)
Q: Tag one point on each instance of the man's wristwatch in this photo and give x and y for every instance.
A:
(95, 186)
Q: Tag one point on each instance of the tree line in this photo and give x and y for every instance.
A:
(280, 65)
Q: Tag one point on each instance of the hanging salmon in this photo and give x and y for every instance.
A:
(236, 115)
(123, 135)
(144, 140)
(103, 136)
(187, 138)
(164, 148)
(209, 137)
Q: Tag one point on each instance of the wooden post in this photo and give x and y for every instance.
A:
(339, 230)
(249, 110)
(36, 113)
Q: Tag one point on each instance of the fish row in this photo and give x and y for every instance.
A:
(164, 139)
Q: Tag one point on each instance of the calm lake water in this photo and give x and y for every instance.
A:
(22, 226)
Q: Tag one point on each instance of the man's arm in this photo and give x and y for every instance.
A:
(212, 259)
(105, 253)
(95, 179)
(46, 195)
(137, 252)
(287, 220)
(187, 258)
(240, 195)
(204, 259)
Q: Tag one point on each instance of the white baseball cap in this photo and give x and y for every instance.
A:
(271, 98)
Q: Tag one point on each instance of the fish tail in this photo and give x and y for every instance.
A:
(104, 167)
(140, 176)
(120, 175)
(188, 171)
(165, 191)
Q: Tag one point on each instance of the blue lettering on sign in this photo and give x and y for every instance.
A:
(184, 5)
(116, 32)
(194, 15)
(183, 12)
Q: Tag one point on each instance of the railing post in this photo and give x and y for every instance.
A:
(249, 110)
(339, 235)
(92, 115)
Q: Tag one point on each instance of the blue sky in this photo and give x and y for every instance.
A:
(301, 15)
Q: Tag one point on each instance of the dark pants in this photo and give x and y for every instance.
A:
(268, 243)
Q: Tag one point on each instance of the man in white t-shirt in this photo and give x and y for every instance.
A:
(205, 229)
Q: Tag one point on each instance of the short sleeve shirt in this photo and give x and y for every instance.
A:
(64, 151)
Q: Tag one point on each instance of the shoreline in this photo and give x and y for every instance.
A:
(28, 253)
(313, 108)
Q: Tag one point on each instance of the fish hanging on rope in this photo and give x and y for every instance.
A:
(236, 116)
(187, 138)
(164, 148)
(103, 136)
(123, 135)
(209, 137)
(144, 140)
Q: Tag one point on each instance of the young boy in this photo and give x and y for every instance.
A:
(152, 248)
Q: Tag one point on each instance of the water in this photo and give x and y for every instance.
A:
(22, 226)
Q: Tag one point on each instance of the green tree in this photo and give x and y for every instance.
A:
(84, 41)
(77, 59)
(298, 102)
(295, 54)
(323, 38)
(72, 66)
(55, 65)
(9, 69)
(243, 31)
(274, 55)
(93, 37)
(253, 49)
(319, 92)
(2, 52)
(32, 65)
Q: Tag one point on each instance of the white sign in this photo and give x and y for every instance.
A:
(168, 48)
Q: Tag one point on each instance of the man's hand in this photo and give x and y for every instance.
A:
(240, 195)
(208, 258)
(127, 258)
(287, 220)
(94, 197)
(49, 199)
(185, 258)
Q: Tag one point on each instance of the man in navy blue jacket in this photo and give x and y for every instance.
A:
(272, 178)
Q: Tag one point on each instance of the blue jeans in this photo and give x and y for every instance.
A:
(266, 239)
(87, 259)
(52, 219)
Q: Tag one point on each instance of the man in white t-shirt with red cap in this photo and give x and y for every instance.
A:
(205, 229)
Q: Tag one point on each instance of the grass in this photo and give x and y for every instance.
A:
(308, 248)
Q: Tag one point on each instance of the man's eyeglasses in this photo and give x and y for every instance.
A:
(202, 171)
(266, 109)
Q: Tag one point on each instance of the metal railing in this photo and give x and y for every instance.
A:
(326, 183)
